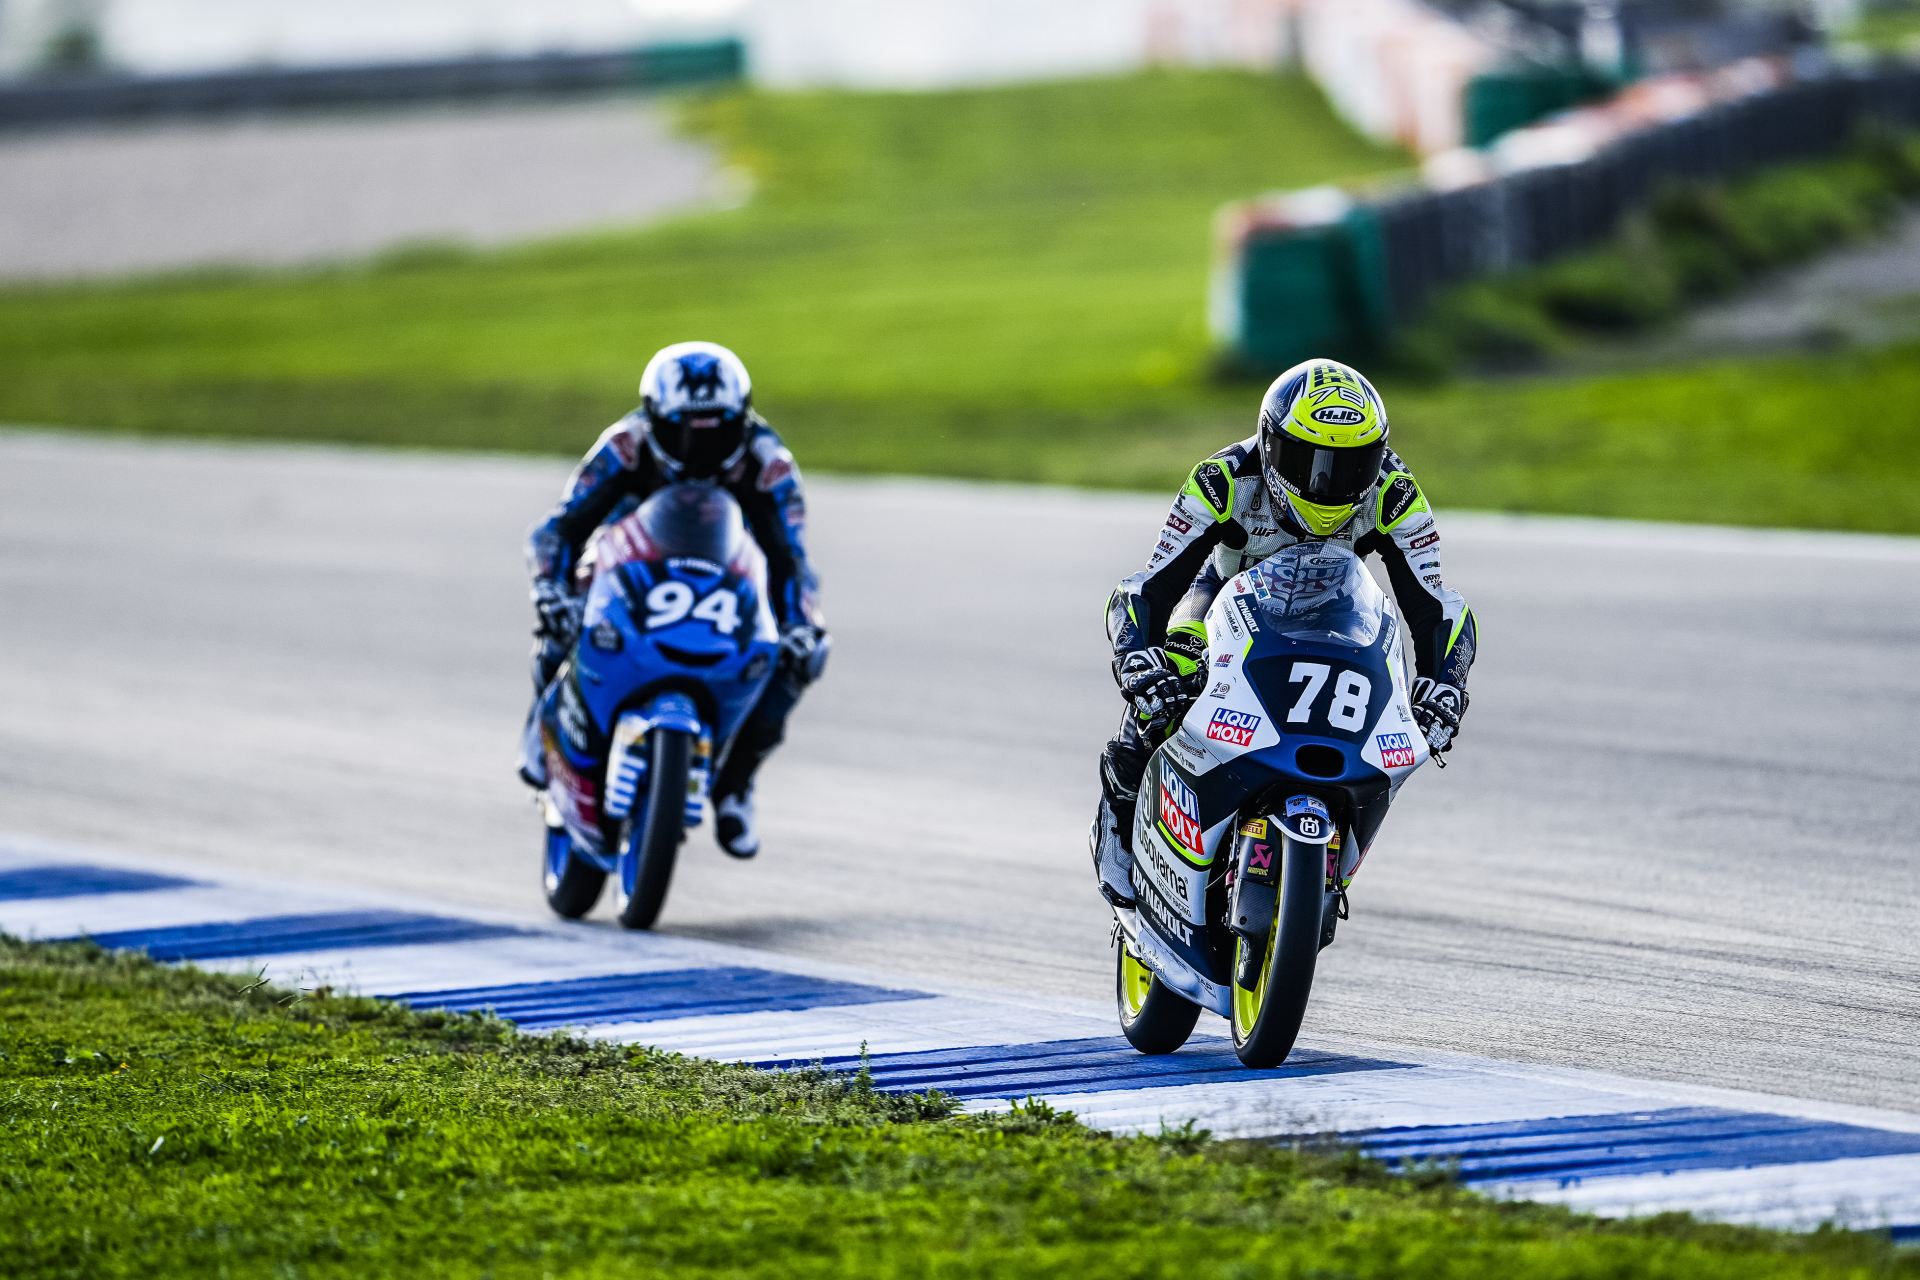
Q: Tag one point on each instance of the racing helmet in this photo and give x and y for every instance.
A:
(1323, 437)
(696, 396)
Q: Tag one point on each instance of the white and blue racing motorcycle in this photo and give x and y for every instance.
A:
(1257, 809)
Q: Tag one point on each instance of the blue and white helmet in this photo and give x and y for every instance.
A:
(696, 396)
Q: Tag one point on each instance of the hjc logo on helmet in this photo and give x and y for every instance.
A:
(1339, 415)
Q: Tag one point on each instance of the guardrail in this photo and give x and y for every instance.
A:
(1320, 273)
(108, 97)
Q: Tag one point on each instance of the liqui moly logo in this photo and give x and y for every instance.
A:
(1179, 811)
(1234, 727)
(1396, 750)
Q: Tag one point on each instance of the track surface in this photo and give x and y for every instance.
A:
(1677, 840)
(282, 191)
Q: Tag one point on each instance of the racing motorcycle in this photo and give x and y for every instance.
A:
(1257, 810)
(677, 641)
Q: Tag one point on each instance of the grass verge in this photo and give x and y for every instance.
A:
(919, 281)
(160, 1121)
(997, 284)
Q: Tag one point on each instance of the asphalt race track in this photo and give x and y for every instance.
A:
(1676, 840)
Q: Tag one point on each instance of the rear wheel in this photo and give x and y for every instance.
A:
(1154, 1017)
(648, 846)
(573, 884)
(1266, 1020)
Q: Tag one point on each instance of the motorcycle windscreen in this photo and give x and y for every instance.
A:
(1319, 591)
(693, 521)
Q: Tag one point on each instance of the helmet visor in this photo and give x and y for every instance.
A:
(1321, 474)
(702, 442)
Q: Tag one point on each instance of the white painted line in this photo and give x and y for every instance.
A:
(1874, 1191)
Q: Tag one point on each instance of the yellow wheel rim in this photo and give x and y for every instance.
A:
(1135, 981)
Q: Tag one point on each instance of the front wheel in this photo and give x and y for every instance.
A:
(649, 845)
(1154, 1017)
(1266, 1020)
(573, 884)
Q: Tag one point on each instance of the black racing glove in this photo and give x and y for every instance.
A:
(557, 612)
(1437, 709)
(803, 651)
(1149, 682)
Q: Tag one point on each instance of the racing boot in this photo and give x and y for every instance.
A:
(1112, 860)
(733, 824)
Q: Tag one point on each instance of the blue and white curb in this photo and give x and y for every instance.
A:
(1590, 1141)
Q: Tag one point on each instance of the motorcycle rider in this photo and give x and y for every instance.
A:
(1317, 469)
(695, 422)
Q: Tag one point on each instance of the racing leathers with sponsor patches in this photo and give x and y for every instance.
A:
(617, 474)
(1224, 521)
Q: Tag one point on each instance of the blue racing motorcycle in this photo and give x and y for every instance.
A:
(676, 644)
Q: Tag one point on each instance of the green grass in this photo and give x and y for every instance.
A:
(1002, 284)
(1893, 28)
(1735, 442)
(920, 281)
(165, 1122)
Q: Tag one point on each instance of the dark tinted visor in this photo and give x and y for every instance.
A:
(1328, 477)
(701, 442)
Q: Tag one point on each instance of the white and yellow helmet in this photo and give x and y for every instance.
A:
(1323, 437)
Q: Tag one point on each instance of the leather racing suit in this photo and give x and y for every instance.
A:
(617, 474)
(1224, 521)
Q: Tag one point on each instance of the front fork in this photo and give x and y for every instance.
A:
(1257, 858)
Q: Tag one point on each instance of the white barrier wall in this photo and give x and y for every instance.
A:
(921, 44)
(158, 37)
(1393, 69)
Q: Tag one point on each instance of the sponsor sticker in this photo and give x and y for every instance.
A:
(1215, 489)
(1259, 858)
(1245, 610)
(1424, 540)
(1339, 415)
(1398, 500)
(1224, 660)
(605, 637)
(1179, 811)
(1396, 750)
(1165, 546)
(1234, 727)
(1179, 525)
(1255, 828)
(1163, 913)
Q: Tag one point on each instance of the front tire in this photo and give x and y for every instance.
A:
(1266, 1020)
(648, 847)
(572, 884)
(1154, 1017)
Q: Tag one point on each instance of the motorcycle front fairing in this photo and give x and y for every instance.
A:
(1307, 695)
(676, 627)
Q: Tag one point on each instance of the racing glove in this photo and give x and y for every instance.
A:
(558, 612)
(1437, 709)
(1149, 682)
(803, 651)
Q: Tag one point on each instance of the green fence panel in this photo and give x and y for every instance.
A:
(1498, 102)
(1311, 291)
